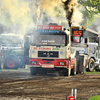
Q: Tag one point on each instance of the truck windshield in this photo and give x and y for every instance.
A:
(56, 40)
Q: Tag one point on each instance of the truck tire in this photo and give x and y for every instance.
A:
(21, 62)
(11, 62)
(65, 72)
(91, 65)
(73, 71)
(33, 70)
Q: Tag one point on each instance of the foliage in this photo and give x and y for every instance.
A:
(94, 98)
(95, 72)
(58, 11)
(90, 9)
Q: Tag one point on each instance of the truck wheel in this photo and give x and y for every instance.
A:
(21, 61)
(11, 62)
(73, 71)
(65, 72)
(33, 71)
(91, 65)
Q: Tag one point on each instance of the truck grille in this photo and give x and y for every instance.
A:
(53, 54)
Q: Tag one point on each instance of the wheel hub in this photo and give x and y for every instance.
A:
(10, 63)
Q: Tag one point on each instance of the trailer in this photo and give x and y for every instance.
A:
(51, 50)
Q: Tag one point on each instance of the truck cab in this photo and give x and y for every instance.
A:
(50, 49)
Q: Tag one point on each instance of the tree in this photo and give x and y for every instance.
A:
(90, 9)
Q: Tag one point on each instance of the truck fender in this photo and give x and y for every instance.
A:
(91, 64)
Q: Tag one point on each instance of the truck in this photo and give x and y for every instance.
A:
(97, 63)
(51, 50)
(86, 48)
(12, 51)
(92, 55)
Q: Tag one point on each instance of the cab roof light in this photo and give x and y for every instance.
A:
(82, 27)
(75, 27)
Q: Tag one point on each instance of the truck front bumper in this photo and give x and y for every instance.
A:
(47, 67)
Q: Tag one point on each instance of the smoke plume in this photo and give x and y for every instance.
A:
(14, 14)
(78, 17)
(69, 7)
(23, 15)
(49, 5)
(20, 15)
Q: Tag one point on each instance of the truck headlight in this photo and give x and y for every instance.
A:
(34, 62)
(61, 63)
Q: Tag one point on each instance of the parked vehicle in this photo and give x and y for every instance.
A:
(12, 51)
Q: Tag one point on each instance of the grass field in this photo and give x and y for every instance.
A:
(95, 72)
(95, 98)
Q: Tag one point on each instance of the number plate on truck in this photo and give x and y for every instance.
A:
(47, 66)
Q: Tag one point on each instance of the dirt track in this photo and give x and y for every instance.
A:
(19, 85)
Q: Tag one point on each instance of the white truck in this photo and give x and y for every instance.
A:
(85, 48)
(91, 51)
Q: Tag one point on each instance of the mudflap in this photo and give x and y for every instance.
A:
(81, 64)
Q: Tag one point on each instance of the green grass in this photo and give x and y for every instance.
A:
(95, 98)
(95, 72)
